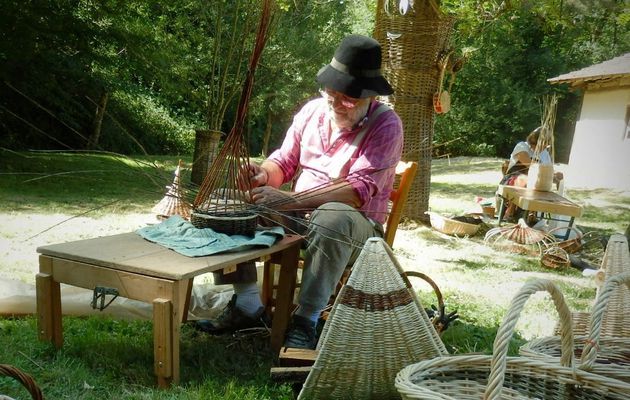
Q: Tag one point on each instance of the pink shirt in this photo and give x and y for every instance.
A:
(370, 169)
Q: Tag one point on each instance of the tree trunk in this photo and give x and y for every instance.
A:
(98, 122)
(206, 150)
(267, 135)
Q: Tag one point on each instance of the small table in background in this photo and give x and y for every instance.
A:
(135, 268)
(547, 204)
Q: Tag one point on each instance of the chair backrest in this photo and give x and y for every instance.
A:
(398, 197)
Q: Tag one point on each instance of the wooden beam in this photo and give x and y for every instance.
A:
(289, 374)
(290, 357)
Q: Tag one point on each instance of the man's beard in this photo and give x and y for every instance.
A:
(351, 117)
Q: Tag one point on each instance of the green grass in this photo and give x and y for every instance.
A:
(106, 358)
(112, 358)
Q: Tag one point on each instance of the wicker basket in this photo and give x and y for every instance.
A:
(608, 356)
(25, 379)
(451, 226)
(616, 319)
(376, 326)
(570, 245)
(555, 257)
(411, 44)
(498, 376)
(228, 222)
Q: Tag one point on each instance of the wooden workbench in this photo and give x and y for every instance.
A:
(547, 204)
(138, 269)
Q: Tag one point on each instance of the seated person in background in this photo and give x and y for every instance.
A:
(521, 158)
(346, 145)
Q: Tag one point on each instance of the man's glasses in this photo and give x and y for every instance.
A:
(332, 95)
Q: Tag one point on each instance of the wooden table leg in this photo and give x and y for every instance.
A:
(501, 210)
(168, 312)
(284, 298)
(48, 295)
(163, 342)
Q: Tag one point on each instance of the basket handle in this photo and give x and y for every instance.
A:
(589, 353)
(572, 227)
(506, 331)
(25, 379)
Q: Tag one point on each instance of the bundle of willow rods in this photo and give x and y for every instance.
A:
(233, 159)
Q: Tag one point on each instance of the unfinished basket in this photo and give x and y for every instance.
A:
(25, 379)
(229, 222)
(451, 226)
(519, 238)
(376, 326)
(498, 376)
(608, 356)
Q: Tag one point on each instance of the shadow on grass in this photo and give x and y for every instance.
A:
(470, 166)
(476, 339)
(448, 189)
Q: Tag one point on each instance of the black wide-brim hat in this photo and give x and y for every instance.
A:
(355, 69)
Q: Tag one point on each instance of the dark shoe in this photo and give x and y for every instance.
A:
(301, 334)
(232, 319)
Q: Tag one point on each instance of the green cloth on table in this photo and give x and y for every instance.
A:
(181, 236)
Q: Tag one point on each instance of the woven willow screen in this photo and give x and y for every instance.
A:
(412, 38)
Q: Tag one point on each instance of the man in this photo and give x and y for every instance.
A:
(345, 147)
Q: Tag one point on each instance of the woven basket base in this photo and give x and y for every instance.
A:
(230, 223)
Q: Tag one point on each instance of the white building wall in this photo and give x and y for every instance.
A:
(600, 153)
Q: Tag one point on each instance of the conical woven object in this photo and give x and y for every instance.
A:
(519, 238)
(173, 203)
(376, 327)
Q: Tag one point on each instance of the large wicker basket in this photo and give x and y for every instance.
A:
(608, 356)
(616, 318)
(498, 376)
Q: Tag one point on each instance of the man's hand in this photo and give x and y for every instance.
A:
(273, 198)
(255, 174)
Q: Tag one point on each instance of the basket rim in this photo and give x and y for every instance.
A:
(431, 214)
(223, 217)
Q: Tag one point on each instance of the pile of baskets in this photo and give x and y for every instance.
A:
(575, 364)
(497, 376)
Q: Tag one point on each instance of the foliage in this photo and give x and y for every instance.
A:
(514, 48)
(286, 78)
(164, 64)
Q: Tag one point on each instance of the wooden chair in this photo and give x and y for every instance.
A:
(405, 173)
